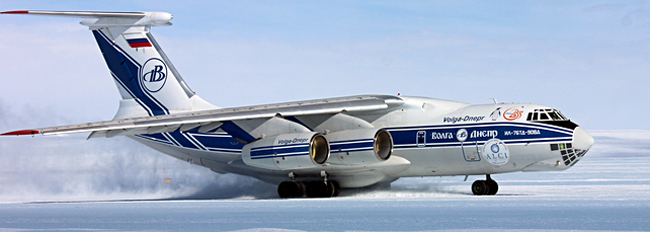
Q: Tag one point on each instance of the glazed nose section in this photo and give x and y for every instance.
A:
(581, 139)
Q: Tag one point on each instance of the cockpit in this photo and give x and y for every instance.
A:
(546, 115)
(550, 116)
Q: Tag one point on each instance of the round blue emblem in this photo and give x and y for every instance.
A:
(494, 148)
(153, 75)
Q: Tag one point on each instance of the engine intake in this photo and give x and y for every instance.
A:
(287, 151)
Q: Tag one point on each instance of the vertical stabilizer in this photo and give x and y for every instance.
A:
(146, 79)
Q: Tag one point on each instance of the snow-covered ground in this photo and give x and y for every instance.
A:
(609, 190)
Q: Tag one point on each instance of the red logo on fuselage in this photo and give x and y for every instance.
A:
(512, 114)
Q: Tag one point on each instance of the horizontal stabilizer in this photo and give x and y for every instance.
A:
(78, 14)
(102, 19)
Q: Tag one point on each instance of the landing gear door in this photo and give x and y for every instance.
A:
(470, 151)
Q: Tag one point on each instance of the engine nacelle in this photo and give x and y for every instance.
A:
(363, 146)
(287, 151)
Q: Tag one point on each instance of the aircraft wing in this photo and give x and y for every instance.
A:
(212, 119)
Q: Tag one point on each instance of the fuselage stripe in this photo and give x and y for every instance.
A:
(172, 139)
(465, 126)
(193, 141)
(280, 156)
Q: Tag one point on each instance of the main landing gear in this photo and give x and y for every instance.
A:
(485, 187)
(312, 189)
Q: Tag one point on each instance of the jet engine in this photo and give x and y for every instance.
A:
(287, 151)
(363, 146)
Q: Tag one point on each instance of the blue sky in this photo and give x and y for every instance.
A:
(590, 59)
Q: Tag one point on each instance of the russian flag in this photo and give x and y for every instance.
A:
(139, 43)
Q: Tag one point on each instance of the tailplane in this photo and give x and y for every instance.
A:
(146, 79)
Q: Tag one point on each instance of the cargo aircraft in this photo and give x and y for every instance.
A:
(314, 148)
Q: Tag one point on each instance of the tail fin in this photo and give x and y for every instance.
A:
(146, 79)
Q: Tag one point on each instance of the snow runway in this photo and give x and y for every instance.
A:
(598, 194)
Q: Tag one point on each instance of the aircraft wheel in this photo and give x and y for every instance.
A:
(302, 189)
(290, 189)
(480, 187)
(335, 187)
(317, 188)
(493, 187)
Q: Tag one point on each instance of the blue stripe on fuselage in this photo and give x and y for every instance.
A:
(237, 132)
(281, 150)
(403, 138)
(446, 135)
(223, 142)
(483, 124)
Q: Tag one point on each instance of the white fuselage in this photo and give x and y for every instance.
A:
(431, 138)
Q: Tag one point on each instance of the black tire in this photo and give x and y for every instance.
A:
(337, 188)
(493, 187)
(480, 187)
(317, 188)
(289, 189)
(303, 189)
(333, 189)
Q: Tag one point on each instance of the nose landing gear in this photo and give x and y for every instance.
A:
(485, 187)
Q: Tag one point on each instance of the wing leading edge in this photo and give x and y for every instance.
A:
(211, 119)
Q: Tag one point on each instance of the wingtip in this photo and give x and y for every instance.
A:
(22, 132)
(15, 12)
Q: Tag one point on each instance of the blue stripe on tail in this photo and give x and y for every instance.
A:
(126, 70)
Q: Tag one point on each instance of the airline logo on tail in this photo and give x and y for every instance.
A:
(153, 75)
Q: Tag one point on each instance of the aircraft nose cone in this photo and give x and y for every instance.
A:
(581, 139)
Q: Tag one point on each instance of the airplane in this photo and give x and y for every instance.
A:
(315, 148)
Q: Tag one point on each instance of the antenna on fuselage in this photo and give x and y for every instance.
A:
(495, 100)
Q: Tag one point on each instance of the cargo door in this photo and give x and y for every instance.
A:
(470, 151)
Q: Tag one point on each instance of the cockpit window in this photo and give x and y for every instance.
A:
(550, 116)
(543, 116)
(546, 115)
(554, 116)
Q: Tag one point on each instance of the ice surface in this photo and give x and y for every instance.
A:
(609, 190)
